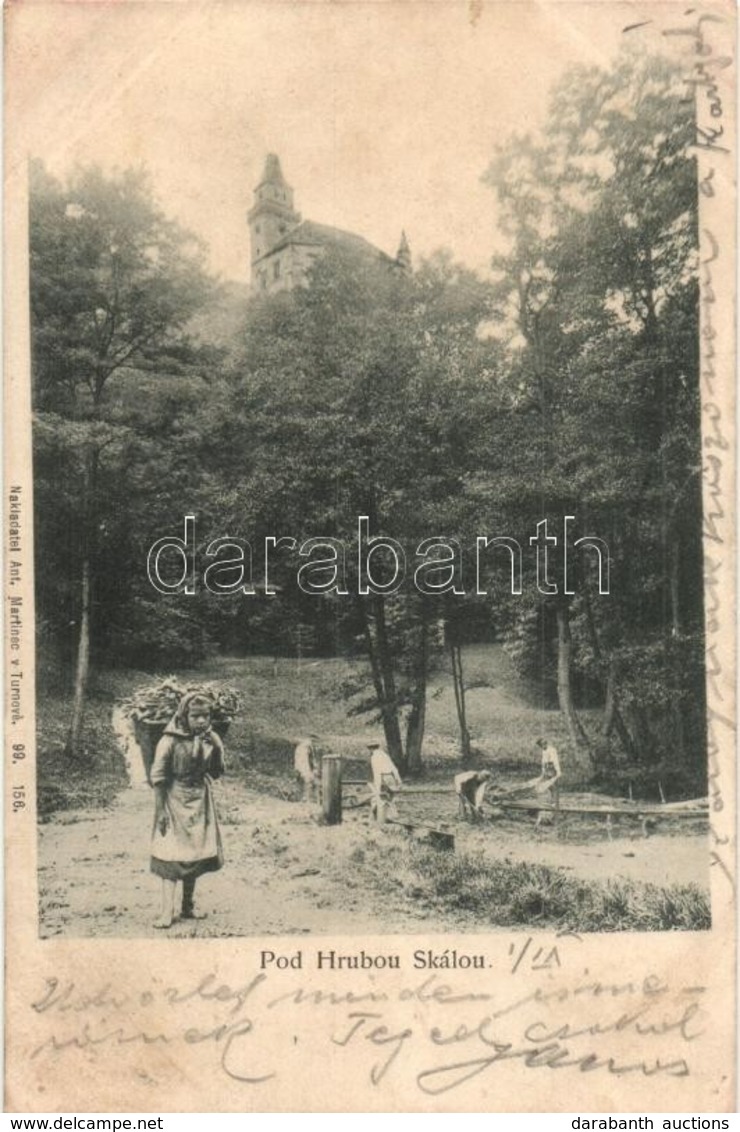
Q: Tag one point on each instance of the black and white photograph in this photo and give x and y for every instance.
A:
(379, 483)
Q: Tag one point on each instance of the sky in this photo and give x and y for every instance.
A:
(384, 114)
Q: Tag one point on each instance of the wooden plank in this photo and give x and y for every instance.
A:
(404, 789)
(670, 809)
(568, 808)
(429, 790)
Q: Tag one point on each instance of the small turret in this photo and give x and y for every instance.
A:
(403, 255)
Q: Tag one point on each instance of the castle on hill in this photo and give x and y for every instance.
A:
(284, 246)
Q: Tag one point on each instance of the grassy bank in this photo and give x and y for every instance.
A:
(89, 781)
(518, 893)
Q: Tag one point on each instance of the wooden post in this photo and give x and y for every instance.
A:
(331, 789)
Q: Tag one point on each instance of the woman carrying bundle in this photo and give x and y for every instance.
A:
(186, 841)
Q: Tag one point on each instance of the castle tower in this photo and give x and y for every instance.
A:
(272, 214)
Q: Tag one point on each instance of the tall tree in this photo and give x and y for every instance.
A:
(113, 285)
(362, 392)
(601, 279)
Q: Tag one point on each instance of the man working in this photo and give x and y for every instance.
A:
(548, 779)
(386, 781)
(306, 766)
(470, 787)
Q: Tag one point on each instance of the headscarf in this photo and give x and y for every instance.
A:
(203, 743)
(179, 723)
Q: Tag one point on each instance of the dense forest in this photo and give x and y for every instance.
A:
(434, 402)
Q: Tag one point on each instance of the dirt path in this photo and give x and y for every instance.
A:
(285, 874)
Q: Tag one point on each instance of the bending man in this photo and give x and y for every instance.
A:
(470, 787)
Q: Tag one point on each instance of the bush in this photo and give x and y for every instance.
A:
(90, 780)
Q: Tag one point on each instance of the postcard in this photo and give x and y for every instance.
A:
(370, 557)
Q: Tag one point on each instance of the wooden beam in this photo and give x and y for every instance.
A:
(568, 808)
(405, 789)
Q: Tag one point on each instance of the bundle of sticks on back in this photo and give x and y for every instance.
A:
(157, 702)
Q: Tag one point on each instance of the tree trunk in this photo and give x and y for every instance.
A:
(384, 683)
(578, 737)
(82, 667)
(610, 701)
(372, 652)
(459, 689)
(380, 664)
(415, 730)
(612, 715)
(417, 716)
(82, 670)
(674, 577)
(640, 731)
(677, 705)
(391, 725)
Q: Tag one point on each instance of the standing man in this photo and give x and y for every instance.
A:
(306, 766)
(386, 781)
(549, 776)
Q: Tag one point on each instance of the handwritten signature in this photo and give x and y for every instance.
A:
(543, 1046)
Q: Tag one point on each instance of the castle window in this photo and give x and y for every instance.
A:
(276, 269)
(256, 227)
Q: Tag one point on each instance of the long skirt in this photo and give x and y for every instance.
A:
(191, 844)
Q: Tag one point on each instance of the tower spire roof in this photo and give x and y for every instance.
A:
(272, 172)
(403, 255)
